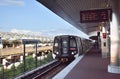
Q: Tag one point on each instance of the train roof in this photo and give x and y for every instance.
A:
(66, 36)
(72, 36)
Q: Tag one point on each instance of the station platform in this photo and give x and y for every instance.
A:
(88, 66)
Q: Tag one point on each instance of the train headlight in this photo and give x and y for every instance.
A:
(72, 53)
(57, 52)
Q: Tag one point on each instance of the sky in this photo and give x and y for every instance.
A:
(29, 16)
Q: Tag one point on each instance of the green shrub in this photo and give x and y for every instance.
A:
(29, 65)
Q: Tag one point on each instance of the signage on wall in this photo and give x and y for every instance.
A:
(98, 15)
(104, 35)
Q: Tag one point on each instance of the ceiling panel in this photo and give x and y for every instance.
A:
(69, 10)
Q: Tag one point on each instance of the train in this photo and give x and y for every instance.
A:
(69, 47)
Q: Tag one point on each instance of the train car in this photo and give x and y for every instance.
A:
(69, 47)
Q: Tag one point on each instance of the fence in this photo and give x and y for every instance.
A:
(17, 65)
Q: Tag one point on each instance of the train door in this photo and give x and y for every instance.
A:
(64, 46)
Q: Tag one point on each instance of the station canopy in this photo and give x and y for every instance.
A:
(70, 10)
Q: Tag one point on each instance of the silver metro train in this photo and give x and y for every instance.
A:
(68, 47)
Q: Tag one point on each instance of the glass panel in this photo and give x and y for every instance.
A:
(73, 43)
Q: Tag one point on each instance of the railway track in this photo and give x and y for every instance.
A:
(52, 71)
(44, 72)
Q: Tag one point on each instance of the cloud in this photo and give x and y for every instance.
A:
(28, 32)
(11, 2)
(52, 32)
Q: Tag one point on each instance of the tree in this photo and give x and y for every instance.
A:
(16, 43)
(5, 43)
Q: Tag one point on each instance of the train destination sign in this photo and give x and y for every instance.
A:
(99, 15)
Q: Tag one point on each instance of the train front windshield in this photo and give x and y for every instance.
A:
(73, 43)
(69, 45)
(65, 45)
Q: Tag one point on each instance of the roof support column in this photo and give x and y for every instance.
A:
(104, 41)
(114, 66)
